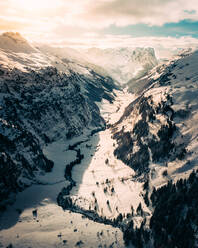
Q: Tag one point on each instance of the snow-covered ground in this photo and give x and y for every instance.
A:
(105, 178)
(97, 171)
(101, 177)
(112, 112)
(103, 183)
(58, 153)
(53, 225)
(183, 89)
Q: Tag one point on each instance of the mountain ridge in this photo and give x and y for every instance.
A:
(66, 139)
(42, 105)
(123, 63)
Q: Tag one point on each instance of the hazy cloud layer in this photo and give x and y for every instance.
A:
(81, 21)
(164, 46)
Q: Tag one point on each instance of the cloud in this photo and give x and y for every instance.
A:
(103, 13)
(164, 46)
(14, 25)
(80, 22)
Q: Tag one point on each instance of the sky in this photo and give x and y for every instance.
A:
(163, 24)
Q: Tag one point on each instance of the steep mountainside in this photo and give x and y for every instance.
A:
(123, 63)
(157, 137)
(162, 116)
(130, 173)
(75, 59)
(41, 104)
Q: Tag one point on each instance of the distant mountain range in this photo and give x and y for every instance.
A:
(123, 64)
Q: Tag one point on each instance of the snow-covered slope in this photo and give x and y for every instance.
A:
(157, 137)
(41, 103)
(123, 63)
(16, 52)
(165, 111)
(74, 58)
(107, 166)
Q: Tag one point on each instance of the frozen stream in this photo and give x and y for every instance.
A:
(54, 227)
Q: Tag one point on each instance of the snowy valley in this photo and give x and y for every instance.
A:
(90, 140)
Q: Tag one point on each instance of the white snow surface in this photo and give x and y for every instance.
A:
(184, 91)
(52, 225)
(99, 169)
(16, 52)
(182, 86)
(96, 169)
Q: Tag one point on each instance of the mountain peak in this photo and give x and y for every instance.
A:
(15, 42)
(12, 35)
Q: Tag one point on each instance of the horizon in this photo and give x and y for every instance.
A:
(105, 24)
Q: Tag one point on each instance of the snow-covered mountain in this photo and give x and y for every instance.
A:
(157, 137)
(14, 42)
(164, 113)
(123, 64)
(125, 177)
(73, 57)
(43, 98)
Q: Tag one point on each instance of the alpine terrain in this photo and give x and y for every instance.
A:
(98, 147)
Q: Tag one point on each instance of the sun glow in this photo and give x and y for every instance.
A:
(36, 5)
